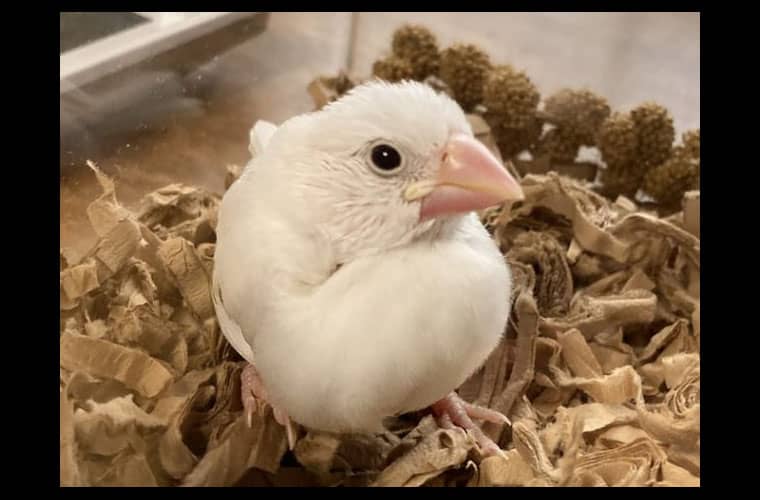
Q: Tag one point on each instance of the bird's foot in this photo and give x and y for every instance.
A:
(252, 392)
(454, 411)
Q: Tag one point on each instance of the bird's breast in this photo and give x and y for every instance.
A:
(387, 334)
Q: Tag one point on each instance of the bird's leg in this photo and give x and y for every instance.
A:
(252, 391)
(453, 410)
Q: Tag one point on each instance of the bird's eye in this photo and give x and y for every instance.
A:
(385, 158)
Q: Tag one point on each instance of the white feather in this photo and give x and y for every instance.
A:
(351, 309)
(260, 135)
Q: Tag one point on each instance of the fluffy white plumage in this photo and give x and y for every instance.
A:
(351, 308)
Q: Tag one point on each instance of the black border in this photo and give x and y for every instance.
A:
(37, 419)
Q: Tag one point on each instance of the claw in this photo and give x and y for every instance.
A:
(486, 414)
(253, 394)
(291, 432)
(452, 410)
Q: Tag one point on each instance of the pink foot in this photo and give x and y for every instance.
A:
(253, 393)
(453, 410)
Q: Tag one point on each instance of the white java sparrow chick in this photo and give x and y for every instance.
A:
(350, 269)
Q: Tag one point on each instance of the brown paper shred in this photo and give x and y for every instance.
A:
(185, 211)
(83, 387)
(175, 204)
(686, 458)
(138, 325)
(620, 435)
(100, 358)
(610, 358)
(177, 459)
(565, 197)
(115, 247)
(523, 277)
(130, 469)
(224, 406)
(112, 430)
(691, 212)
(139, 286)
(316, 451)
(261, 446)
(77, 281)
(683, 397)
(120, 411)
(554, 282)
(592, 315)
(285, 477)
(321, 93)
(206, 254)
(635, 464)
(622, 385)
(587, 268)
(525, 354)
(531, 449)
(365, 452)
(336, 459)
(324, 90)
(673, 475)
(70, 475)
(499, 471)
(634, 226)
(488, 381)
(681, 432)
(435, 453)
(96, 329)
(598, 416)
(660, 340)
(639, 281)
(172, 410)
(105, 212)
(671, 370)
(548, 359)
(578, 355)
(185, 267)
(544, 164)
(610, 284)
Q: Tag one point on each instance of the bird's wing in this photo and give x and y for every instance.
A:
(229, 326)
(260, 134)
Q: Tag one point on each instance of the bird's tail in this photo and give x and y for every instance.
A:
(230, 329)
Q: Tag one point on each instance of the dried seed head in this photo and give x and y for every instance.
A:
(560, 144)
(513, 141)
(668, 182)
(581, 110)
(510, 96)
(464, 68)
(655, 131)
(621, 179)
(690, 141)
(418, 45)
(392, 69)
(617, 139)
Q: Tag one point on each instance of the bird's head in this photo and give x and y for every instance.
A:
(386, 164)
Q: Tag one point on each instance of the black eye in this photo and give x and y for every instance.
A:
(385, 157)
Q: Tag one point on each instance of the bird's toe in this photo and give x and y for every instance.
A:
(454, 411)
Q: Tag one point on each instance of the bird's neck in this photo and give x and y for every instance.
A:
(434, 231)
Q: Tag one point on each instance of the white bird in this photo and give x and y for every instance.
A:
(350, 269)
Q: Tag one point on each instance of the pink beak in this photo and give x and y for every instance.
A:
(470, 178)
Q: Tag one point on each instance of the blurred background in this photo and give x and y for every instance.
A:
(161, 97)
